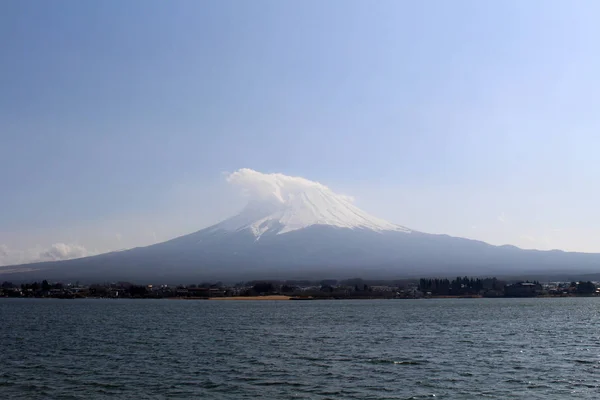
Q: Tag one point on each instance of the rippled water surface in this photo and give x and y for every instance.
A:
(391, 349)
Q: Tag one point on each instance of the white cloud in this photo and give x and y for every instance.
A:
(56, 252)
(62, 251)
(276, 187)
(294, 203)
(502, 218)
(4, 251)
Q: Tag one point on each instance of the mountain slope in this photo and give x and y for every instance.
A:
(318, 251)
(295, 228)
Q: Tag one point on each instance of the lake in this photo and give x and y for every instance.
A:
(355, 349)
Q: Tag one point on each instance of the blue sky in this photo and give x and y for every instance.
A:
(472, 118)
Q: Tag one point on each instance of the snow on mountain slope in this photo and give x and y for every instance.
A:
(281, 204)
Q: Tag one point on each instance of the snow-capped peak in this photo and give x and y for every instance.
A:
(283, 204)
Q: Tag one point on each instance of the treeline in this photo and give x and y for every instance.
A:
(326, 288)
(35, 286)
(351, 282)
(459, 286)
(584, 287)
(35, 289)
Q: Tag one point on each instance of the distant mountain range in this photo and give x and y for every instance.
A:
(306, 233)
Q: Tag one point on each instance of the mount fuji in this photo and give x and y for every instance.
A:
(294, 228)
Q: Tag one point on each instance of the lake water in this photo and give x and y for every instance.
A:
(390, 349)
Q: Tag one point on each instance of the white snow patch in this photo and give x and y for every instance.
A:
(284, 203)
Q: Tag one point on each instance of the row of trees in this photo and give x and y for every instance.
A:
(459, 286)
(584, 287)
(44, 286)
(325, 290)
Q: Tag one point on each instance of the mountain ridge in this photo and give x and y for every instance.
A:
(293, 227)
(316, 251)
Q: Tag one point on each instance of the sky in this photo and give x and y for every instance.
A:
(119, 121)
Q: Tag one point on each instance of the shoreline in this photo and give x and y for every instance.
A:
(283, 297)
(272, 297)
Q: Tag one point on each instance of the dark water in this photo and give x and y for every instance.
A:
(391, 349)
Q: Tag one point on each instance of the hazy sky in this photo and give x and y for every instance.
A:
(118, 119)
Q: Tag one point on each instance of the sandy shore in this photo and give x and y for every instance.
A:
(251, 298)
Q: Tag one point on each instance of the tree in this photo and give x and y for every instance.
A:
(263, 287)
(46, 286)
(327, 288)
(137, 291)
(287, 289)
(586, 288)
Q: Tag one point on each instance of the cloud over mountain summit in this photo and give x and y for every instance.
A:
(276, 186)
(281, 203)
